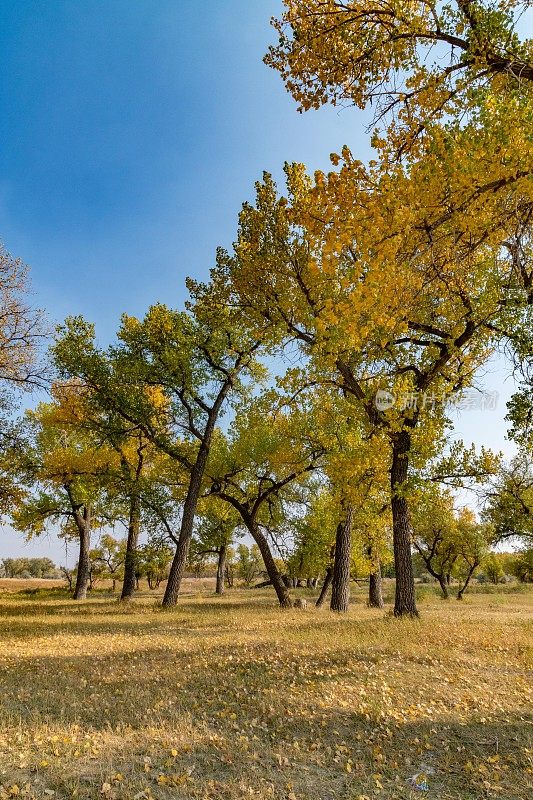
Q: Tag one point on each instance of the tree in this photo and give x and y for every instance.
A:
(128, 474)
(473, 542)
(249, 563)
(21, 328)
(314, 537)
(32, 567)
(193, 362)
(107, 559)
(21, 332)
(435, 536)
(216, 529)
(522, 566)
(153, 562)
(260, 467)
(318, 277)
(509, 501)
(62, 484)
(493, 568)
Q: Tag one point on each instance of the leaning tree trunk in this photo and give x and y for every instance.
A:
(375, 593)
(464, 587)
(190, 505)
(83, 523)
(405, 599)
(270, 565)
(221, 568)
(179, 561)
(325, 587)
(134, 524)
(340, 589)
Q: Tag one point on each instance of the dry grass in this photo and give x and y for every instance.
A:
(232, 698)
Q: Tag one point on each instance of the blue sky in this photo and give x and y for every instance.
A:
(131, 133)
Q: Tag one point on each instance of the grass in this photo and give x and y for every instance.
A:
(232, 698)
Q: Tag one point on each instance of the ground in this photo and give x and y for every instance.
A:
(233, 698)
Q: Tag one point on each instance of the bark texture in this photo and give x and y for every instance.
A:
(134, 525)
(340, 588)
(221, 569)
(405, 597)
(83, 524)
(325, 587)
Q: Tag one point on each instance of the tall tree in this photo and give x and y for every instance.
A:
(367, 318)
(194, 363)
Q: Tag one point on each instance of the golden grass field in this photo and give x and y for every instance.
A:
(232, 698)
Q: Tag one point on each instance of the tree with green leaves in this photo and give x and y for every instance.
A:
(363, 312)
(249, 563)
(108, 557)
(153, 561)
(261, 467)
(132, 471)
(435, 536)
(509, 501)
(217, 526)
(172, 374)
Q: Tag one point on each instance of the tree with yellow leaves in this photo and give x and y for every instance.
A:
(63, 474)
(452, 86)
(132, 474)
(399, 336)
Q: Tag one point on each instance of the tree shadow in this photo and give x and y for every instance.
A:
(260, 716)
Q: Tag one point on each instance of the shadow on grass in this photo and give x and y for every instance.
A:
(259, 716)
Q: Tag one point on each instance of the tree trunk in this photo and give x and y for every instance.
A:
(179, 561)
(375, 594)
(134, 524)
(340, 590)
(221, 568)
(190, 505)
(464, 587)
(325, 587)
(270, 565)
(84, 532)
(405, 597)
(443, 586)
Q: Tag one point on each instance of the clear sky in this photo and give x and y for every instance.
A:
(132, 131)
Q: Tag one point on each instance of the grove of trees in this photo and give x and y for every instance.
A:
(289, 425)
